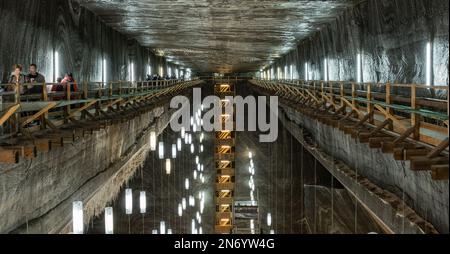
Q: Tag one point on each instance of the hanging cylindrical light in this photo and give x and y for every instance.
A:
(153, 141)
(161, 150)
(192, 148)
(195, 174)
(180, 210)
(201, 148)
(202, 178)
(194, 127)
(272, 232)
(192, 120)
(183, 203)
(269, 219)
(199, 218)
(201, 168)
(169, 231)
(186, 184)
(168, 166)
(250, 155)
(197, 160)
(202, 136)
(193, 227)
(162, 227)
(143, 202)
(155, 231)
(191, 201)
(200, 231)
(183, 132)
(186, 139)
(128, 201)
(174, 151)
(202, 205)
(109, 223)
(179, 144)
(77, 217)
(190, 138)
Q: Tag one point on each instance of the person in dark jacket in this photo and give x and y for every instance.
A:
(34, 80)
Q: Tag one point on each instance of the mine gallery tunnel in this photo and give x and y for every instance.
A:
(224, 117)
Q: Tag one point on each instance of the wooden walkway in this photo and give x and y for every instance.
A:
(38, 123)
(404, 120)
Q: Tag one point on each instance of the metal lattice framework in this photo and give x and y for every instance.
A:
(225, 163)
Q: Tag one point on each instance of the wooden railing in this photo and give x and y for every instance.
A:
(407, 105)
(408, 121)
(22, 113)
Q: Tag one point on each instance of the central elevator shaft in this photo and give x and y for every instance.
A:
(224, 157)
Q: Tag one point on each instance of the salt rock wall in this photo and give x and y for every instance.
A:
(32, 30)
(391, 36)
(36, 195)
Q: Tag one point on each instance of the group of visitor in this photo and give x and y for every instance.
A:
(33, 82)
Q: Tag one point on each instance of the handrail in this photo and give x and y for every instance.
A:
(425, 107)
(18, 109)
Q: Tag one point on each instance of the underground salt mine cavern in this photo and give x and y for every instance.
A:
(224, 117)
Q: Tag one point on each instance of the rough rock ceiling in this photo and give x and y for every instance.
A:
(218, 35)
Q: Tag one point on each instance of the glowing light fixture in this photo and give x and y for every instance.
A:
(183, 132)
(195, 174)
(104, 70)
(174, 151)
(183, 203)
(325, 69)
(161, 150)
(192, 148)
(306, 72)
(77, 219)
(186, 183)
(197, 160)
(153, 141)
(168, 166)
(169, 231)
(250, 155)
(272, 232)
(128, 201)
(269, 219)
(162, 227)
(180, 210)
(109, 223)
(179, 144)
(429, 64)
(143, 202)
(154, 231)
(358, 68)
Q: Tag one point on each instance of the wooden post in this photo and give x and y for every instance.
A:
(16, 120)
(67, 108)
(369, 102)
(388, 102)
(415, 118)
(44, 98)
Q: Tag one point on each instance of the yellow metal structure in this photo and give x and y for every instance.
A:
(225, 163)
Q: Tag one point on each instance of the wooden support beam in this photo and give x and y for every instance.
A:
(38, 114)
(422, 163)
(439, 149)
(439, 172)
(9, 156)
(377, 142)
(85, 107)
(9, 112)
